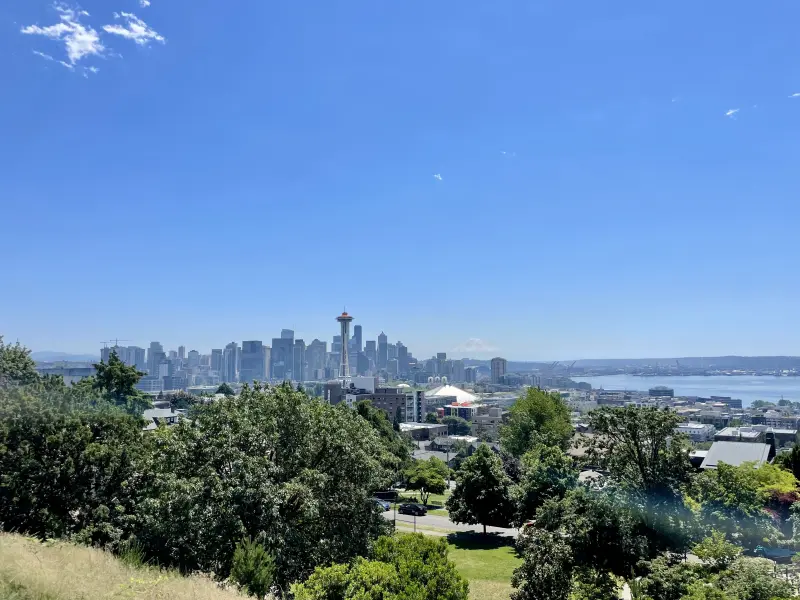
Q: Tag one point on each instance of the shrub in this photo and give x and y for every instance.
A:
(253, 568)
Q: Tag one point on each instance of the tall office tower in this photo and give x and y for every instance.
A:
(287, 334)
(194, 358)
(441, 359)
(216, 360)
(370, 350)
(358, 338)
(402, 359)
(205, 360)
(282, 358)
(362, 364)
(457, 371)
(252, 362)
(471, 374)
(267, 362)
(172, 355)
(344, 363)
(299, 360)
(315, 358)
(152, 365)
(182, 352)
(136, 356)
(336, 345)
(383, 351)
(230, 360)
(391, 367)
(391, 351)
(498, 369)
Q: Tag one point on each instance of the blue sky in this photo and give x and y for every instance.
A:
(204, 173)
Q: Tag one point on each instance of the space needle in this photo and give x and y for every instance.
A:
(344, 364)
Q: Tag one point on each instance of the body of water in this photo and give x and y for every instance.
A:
(748, 388)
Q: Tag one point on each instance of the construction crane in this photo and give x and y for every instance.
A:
(553, 366)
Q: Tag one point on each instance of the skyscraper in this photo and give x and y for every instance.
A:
(457, 373)
(267, 362)
(182, 352)
(315, 359)
(402, 359)
(287, 334)
(282, 358)
(152, 365)
(216, 360)
(498, 369)
(137, 357)
(344, 364)
(194, 358)
(252, 362)
(299, 360)
(357, 338)
(230, 359)
(371, 353)
(383, 351)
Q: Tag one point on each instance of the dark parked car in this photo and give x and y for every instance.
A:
(412, 509)
(382, 503)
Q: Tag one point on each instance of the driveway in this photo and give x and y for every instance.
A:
(432, 523)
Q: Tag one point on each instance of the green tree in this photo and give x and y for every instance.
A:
(547, 472)
(456, 425)
(16, 366)
(397, 447)
(431, 418)
(482, 493)
(536, 418)
(427, 476)
(271, 463)
(753, 579)
(546, 570)
(225, 388)
(118, 381)
(790, 460)
(253, 568)
(703, 590)
(731, 501)
(404, 567)
(67, 470)
(640, 449)
(668, 578)
(716, 551)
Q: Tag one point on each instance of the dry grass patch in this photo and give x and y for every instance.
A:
(31, 570)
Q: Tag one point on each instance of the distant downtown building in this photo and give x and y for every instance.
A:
(383, 351)
(282, 357)
(230, 359)
(252, 362)
(498, 366)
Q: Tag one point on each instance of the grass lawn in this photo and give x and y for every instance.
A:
(487, 563)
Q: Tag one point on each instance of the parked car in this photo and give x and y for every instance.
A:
(382, 503)
(412, 509)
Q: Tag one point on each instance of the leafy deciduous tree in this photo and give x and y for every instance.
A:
(536, 418)
(427, 476)
(547, 472)
(16, 366)
(482, 493)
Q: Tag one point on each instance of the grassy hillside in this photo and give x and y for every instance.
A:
(30, 570)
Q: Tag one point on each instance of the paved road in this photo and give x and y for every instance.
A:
(445, 524)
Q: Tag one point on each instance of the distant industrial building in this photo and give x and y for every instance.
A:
(661, 391)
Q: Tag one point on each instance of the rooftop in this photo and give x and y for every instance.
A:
(735, 453)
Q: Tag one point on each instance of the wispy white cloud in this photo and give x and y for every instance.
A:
(144, 3)
(43, 55)
(475, 346)
(79, 40)
(676, 99)
(795, 95)
(437, 177)
(134, 29)
(509, 154)
(732, 112)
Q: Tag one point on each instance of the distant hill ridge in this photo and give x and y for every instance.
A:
(50, 356)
